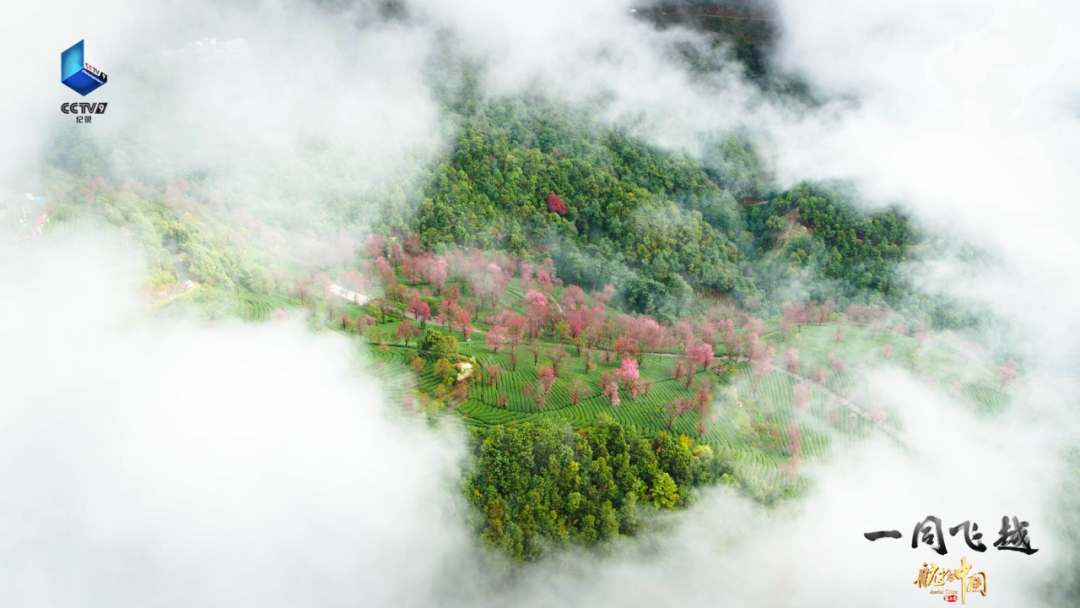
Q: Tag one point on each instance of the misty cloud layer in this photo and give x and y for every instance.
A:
(179, 464)
(183, 465)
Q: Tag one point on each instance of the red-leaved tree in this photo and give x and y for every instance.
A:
(556, 204)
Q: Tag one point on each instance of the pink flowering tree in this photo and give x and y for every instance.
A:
(572, 298)
(802, 397)
(493, 372)
(406, 331)
(791, 361)
(384, 270)
(374, 245)
(876, 415)
(539, 390)
(625, 345)
(539, 311)
(435, 273)
(794, 433)
(610, 388)
(420, 309)
(683, 368)
(794, 441)
(1007, 373)
(629, 376)
(836, 364)
(761, 361)
(463, 320)
(604, 296)
(496, 338)
(699, 354)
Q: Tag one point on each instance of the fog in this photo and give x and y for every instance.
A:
(187, 465)
(151, 462)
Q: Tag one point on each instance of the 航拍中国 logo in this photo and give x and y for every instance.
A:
(77, 73)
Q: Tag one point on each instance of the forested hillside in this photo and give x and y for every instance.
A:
(525, 175)
(529, 176)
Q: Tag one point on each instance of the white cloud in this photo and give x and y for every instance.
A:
(179, 464)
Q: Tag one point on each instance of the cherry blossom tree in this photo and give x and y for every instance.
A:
(610, 388)
(684, 335)
(536, 303)
(496, 338)
(604, 296)
(794, 436)
(921, 338)
(572, 298)
(683, 368)
(435, 273)
(625, 345)
(733, 343)
(460, 392)
(628, 375)
(578, 389)
(385, 270)
(761, 361)
(405, 331)
(794, 433)
(539, 390)
(826, 310)
(420, 309)
(802, 397)
(515, 328)
(876, 415)
(1008, 373)
(525, 276)
(698, 354)
(374, 245)
(576, 322)
(463, 320)
(324, 282)
(706, 332)
(836, 364)
(493, 373)
(791, 361)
